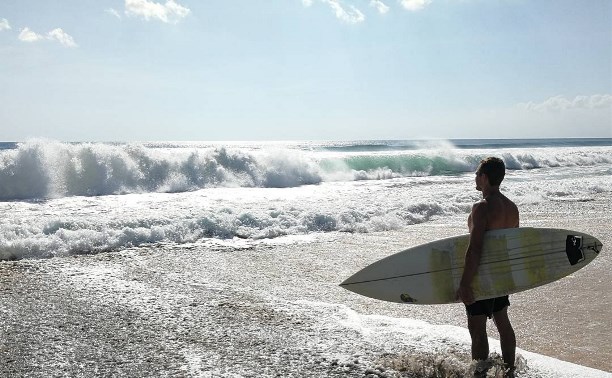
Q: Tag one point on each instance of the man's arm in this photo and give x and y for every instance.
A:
(473, 253)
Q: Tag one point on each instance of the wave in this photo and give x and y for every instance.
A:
(404, 145)
(46, 169)
(43, 237)
(49, 169)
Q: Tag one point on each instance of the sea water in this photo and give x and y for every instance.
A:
(281, 202)
(60, 199)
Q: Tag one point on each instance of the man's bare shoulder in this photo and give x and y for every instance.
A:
(480, 208)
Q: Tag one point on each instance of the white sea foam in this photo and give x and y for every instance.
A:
(66, 226)
(188, 194)
(46, 169)
(395, 334)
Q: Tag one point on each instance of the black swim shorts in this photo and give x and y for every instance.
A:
(488, 306)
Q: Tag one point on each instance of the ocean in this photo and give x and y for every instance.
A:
(223, 259)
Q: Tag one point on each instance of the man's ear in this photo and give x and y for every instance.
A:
(486, 178)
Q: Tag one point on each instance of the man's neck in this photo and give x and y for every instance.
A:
(490, 191)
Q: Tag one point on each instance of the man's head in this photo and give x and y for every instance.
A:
(494, 169)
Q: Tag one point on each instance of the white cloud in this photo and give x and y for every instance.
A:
(348, 14)
(28, 35)
(4, 24)
(415, 5)
(352, 16)
(380, 6)
(168, 12)
(561, 103)
(113, 12)
(57, 34)
(62, 37)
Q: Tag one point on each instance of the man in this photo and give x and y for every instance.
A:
(494, 211)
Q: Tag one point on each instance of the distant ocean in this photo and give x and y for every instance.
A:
(199, 259)
(67, 198)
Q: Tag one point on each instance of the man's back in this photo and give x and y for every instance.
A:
(500, 212)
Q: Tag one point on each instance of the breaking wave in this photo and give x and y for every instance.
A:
(46, 169)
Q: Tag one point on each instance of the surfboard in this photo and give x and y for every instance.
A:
(513, 260)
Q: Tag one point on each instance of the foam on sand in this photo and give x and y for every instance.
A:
(404, 335)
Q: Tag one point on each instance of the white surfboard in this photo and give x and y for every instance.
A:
(513, 260)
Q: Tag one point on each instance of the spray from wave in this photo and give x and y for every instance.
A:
(46, 169)
(49, 169)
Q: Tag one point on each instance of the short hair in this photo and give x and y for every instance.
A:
(494, 168)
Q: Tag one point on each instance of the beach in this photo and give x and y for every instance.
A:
(189, 188)
(265, 310)
(141, 300)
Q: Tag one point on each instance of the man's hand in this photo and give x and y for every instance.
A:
(466, 294)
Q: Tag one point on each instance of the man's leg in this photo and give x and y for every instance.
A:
(477, 325)
(507, 338)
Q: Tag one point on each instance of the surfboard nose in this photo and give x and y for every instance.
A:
(351, 280)
(597, 246)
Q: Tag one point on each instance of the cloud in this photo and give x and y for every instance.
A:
(62, 37)
(113, 12)
(28, 35)
(348, 14)
(4, 24)
(415, 5)
(59, 35)
(380, 6)
(352, 16)
(561, 103)
(170, 12)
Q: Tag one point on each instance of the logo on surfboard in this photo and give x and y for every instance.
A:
(573, 249)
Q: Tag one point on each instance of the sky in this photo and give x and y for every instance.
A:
(221, 70)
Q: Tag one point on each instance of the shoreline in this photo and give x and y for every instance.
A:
(146, 309)
(275, 307)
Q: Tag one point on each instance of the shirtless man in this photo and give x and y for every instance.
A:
(494, 211)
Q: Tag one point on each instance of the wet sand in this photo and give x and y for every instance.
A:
(198, 310)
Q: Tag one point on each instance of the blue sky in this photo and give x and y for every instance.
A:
(123, 70)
